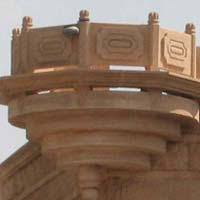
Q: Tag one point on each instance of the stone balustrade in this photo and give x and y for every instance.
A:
(88, 137)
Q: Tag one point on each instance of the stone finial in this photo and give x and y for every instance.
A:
(16, 32)
(27, 22)
(190, 28)
(153, 18)
(84, 15)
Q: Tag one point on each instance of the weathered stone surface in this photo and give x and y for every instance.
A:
(194, 156)
(176, 158)
(153, 189)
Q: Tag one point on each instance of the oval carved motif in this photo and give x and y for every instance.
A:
(52, 46)
(177, 50)
(121, 43)
(113, 43)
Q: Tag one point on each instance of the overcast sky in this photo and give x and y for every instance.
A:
(173, 14)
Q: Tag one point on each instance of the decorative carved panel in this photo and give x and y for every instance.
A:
(54, 46)
(120, 44)
(174, 50)
(177, 52)
(50, 47)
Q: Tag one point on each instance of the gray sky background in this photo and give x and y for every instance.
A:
(174, 14)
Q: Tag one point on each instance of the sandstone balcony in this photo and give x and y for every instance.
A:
(61, 90)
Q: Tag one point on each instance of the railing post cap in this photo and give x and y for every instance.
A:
(16, 32)
(153, 18)
(27, 22)
(84, 15)
(190, 28)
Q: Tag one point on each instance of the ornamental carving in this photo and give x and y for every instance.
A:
(120, 44)
(177, 50)
(49, 47)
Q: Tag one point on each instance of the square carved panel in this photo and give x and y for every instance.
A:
(177, 52)
(120, 44)
(49, 46)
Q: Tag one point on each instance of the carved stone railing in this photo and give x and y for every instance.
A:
(59, 91)
(95, 44)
